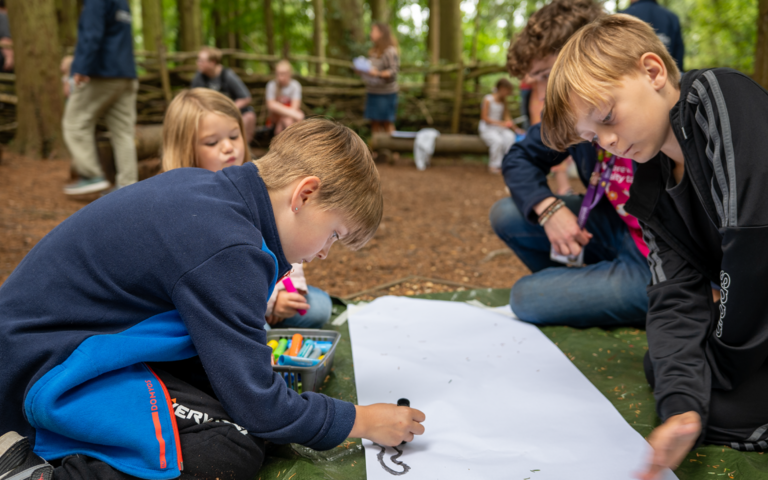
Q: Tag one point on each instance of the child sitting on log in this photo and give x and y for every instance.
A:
(178, 267)
(202, 129)
(496, 126)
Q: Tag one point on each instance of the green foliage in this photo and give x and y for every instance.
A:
(718, 33)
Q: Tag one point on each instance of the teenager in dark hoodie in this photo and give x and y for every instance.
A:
(700, 195)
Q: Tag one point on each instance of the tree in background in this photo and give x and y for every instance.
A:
(67, 13)
(190, 25)
(761, 49)
(379, 10)
(345, 31)
(40, 99)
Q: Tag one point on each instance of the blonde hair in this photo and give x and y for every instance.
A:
(594, 60)
(349, 181)
(284, 63)
(212, 53)
(182, 121)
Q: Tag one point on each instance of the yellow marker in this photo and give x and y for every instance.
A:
(272, 344)
(321, 357)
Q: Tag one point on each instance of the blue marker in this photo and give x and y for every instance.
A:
(297, 361)
(306, 349)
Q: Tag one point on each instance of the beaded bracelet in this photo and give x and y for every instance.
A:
(550, 210)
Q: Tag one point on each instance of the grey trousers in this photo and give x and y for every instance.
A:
(114, 99)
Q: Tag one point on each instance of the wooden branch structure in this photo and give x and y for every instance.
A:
(422, 103)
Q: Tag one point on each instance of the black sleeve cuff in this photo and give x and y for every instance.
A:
(679, 403)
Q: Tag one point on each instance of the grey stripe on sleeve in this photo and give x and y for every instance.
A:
(713, 147)
(730, 157)
(757, 433)
(654, 260)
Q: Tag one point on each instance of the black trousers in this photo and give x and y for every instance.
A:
(213, 449)
(737, 418)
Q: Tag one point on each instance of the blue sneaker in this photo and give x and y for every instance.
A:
(87, 185)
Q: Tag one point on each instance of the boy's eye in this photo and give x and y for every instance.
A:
(234, 137)
(335, 236)
(608, 117)
(210, 144)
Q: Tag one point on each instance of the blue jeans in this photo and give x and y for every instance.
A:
(608, 291)
(318, 314)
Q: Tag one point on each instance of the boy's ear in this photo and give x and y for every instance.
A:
(653, 67)
(307, 188)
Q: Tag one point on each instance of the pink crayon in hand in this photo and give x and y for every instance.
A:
(291, 289)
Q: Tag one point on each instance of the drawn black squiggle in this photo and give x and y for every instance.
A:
(394, 459)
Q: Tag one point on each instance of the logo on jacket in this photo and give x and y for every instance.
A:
(187, 413)
(123, 16)
(725, 282)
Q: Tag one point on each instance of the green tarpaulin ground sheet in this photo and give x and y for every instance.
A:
(611, 359)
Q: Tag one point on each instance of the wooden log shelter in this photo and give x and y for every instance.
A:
(449, 106)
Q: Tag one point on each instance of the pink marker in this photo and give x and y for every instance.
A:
(291, 289)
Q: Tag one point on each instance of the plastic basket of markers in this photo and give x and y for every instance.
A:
(303, 367)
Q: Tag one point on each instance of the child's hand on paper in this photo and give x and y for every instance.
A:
(286, 306)
(671, 442)
(387, 424)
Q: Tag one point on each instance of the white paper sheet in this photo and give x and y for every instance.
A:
(501, 400)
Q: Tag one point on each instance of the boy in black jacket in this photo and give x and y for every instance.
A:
(700, 195)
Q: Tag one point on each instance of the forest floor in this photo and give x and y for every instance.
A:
(435, 228)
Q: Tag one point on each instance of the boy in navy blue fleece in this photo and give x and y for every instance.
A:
(179, 268)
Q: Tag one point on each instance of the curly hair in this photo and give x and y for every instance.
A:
(547, 31)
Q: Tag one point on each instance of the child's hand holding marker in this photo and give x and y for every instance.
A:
(387, 424)
(287, 305)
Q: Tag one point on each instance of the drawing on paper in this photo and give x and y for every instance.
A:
(394, 459)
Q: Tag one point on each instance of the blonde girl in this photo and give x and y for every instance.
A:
(204, 129)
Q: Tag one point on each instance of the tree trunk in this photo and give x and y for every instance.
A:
(152, 23)
(318, 34)
(433, 40)
(345, 31)
(286, 49)
(761, 50)
(269, 27)
(38, 85)
(450, 36)
(379, 11)
(475, 35)
(190, 25)
(475, 31)
(67, 13)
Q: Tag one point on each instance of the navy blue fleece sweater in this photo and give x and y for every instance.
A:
(204, 244)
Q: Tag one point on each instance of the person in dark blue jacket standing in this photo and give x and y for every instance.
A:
(665, 23)
(610, 288)
(105, 86)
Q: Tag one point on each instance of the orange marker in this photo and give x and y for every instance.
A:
(296, 342)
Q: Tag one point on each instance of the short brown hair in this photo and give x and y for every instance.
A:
(594, 60)
(547, 31)
(504, 83)
(212, 53)
(182, 121)
(349, 181)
